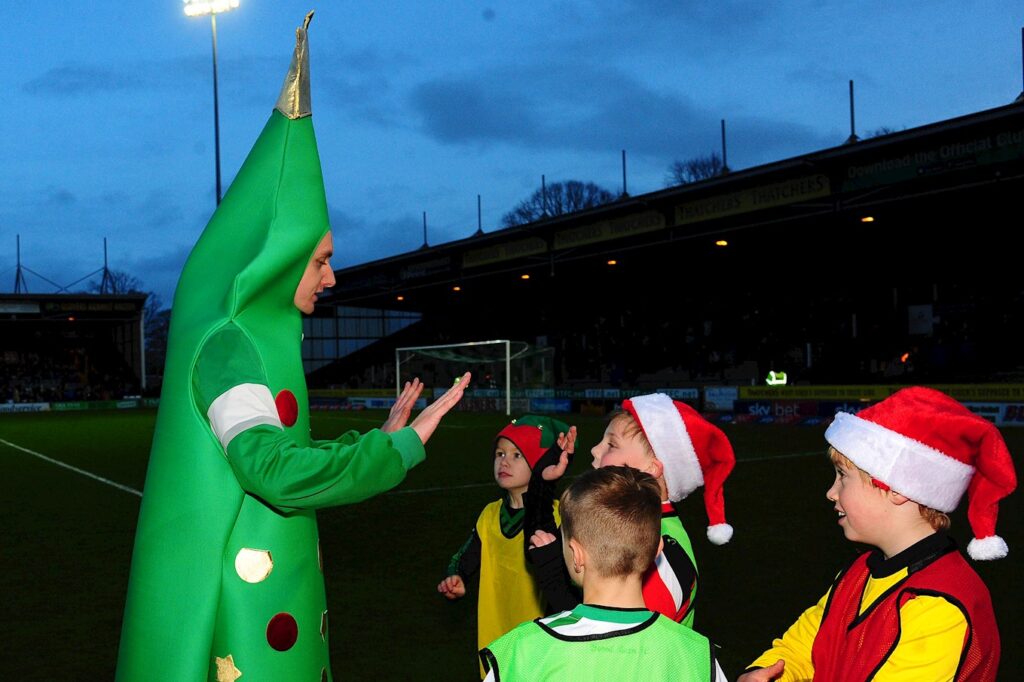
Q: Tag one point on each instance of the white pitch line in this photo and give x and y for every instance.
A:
(59, 463)
(435, 489)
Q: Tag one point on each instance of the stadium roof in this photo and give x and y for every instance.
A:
(81, 306)
(906, 204)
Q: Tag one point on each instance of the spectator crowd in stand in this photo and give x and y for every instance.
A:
(32, 376)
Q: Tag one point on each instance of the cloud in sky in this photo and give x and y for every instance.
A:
(576, 107)
(423, 107)
(358, 239)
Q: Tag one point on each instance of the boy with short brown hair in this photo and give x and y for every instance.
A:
(611, 529)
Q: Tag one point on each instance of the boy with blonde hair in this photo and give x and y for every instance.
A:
(912, 608)
(672, 442)
(611, 533)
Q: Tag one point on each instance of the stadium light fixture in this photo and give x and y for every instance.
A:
(399, 298)
(200, 8)
(613, 262)
(524, 277)
(456, 288)
(868, 219)
(721, 242)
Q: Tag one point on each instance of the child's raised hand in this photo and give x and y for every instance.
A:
(772, 672)
(566, 441)
(541, 538)
(400, 411)
(452, 587)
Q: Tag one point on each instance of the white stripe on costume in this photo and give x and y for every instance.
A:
(242, 407)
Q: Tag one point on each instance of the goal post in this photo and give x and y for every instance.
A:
(503, 371)
(450, 354)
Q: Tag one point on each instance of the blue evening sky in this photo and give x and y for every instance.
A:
(420, 106)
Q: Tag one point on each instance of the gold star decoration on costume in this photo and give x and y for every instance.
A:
(226, 670)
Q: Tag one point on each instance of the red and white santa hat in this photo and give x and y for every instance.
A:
(693, 451)
(930, 448)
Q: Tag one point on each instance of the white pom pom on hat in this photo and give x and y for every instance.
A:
(693, 451)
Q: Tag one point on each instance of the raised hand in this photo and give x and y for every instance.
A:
(427, 421)
(402, 408)
(566, 441)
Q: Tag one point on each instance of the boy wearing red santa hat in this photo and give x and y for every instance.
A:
(912, 608)
(683, 451)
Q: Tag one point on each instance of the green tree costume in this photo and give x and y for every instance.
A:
(226, 577)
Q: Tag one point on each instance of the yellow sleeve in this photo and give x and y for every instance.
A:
(794, 647)
(932, 632)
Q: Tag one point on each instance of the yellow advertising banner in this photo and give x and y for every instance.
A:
(814, 392)
(753, 199)
(648, 221)
(962, 392)
(530, 246)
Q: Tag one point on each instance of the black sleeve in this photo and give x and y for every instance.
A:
(539, 498)
(551, 576)
(466, 561)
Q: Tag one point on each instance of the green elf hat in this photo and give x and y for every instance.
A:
(533, 435)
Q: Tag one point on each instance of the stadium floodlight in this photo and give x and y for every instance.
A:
(496, 365)
(200, 8)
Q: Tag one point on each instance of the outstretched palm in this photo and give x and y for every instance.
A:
(402, 408)
(566, 441)
(427, 421)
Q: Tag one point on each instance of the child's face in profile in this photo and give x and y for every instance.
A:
(860, 507)
(619, 449)
(511, 470)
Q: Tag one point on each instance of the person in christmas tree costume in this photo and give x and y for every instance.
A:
(227, 575)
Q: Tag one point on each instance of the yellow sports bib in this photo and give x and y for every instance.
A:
(508, 593)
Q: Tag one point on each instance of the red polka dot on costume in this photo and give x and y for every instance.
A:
(287, 407)
(282, 631)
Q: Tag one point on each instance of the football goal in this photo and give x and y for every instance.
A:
(503, 371)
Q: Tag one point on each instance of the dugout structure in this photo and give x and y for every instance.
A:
(56, 347)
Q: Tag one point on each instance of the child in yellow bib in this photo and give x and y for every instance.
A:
(508, 593)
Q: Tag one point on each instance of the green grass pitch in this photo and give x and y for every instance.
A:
(67, 542)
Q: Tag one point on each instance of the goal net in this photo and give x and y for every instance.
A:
(504, 371)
